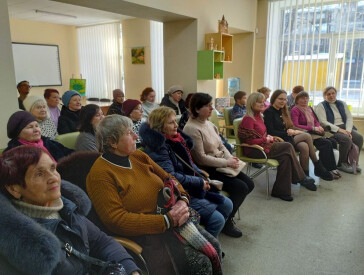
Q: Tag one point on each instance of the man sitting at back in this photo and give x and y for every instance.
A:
(239, 109)
(23, 89)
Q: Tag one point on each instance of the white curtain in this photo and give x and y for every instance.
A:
(157, 60)
(317, 43)
(99, 59)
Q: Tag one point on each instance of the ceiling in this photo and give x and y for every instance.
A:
(26, 9)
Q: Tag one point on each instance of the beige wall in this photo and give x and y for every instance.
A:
(54, 34)
(8, 92)
(136, 33)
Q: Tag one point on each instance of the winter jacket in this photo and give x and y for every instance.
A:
(56, 149)
(68, 121)
(163, 151)
(33, 246)
(115, 108)
(166, 102)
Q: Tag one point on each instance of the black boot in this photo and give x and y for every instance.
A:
(320, 171)
(231, 230)
(307, 173)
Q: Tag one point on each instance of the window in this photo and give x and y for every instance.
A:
(316, 43)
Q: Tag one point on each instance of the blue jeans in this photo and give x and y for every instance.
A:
(216, 222)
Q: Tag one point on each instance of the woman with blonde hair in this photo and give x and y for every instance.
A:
(252, 130)
(278, 122)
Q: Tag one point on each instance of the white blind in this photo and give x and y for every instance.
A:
(317, 43)
(157, 60)
(99, 59)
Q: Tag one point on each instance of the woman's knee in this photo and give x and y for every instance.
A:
(225, 208)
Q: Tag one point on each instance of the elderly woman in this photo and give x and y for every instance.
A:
(23, 129)
(173, 99)
(90, 116)
(266, 92)
(147, 98)
(252, 130)
(32, 206)
(117, 104)
(69, 119)
(165, 144)
(336, 115)
(133, 109)
(123, 185)
(304, 118)
(53, 99)
(210, 153)
(278, 123)
(37, 106)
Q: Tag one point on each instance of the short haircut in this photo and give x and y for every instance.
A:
(86, 115)
(329, 88)
(21, 83)
(239, 94)
(300, 95)
(14, 164)
(110, 129)
(297, 89)
(199, 100)
(252, 99)
(48, 92)
(158, 117)
(263, 90)
(145, 93)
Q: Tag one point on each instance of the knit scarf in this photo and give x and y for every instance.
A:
(38, 144)
(188, 232)
(180, 139)
(307, 112)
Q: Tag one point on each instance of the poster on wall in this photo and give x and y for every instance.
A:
(233, 85)
(137, 55)
(78, 85)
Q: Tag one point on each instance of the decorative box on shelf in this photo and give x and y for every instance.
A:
(210, 64)
(224, 42)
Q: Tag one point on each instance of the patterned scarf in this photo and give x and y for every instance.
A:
(38, 144)
(307, 112)
(180, 139)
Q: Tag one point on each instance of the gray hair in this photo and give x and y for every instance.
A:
(39, 102)
(252, 99)
(110, 129)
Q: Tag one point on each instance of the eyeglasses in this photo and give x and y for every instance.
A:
(282, 99)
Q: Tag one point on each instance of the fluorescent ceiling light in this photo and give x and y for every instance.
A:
(56, 13)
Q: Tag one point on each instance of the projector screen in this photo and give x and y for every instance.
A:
(37, 63)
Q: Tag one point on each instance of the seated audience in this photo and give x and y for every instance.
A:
(266, 92)
(37, 106)
(335, 114)
(209, 153)
(291, 98)
(304, 118)
(186, 114)
(278, 123)
(252, 130)
(173, 99)
(147, 98)
(117, 104)
(124, 184)
(69, 120)
(23, 129)
(239, 109)
(23, 89)
(53, 99)
(37, 221)
(165, 144)
(132, 108)
(90, 116)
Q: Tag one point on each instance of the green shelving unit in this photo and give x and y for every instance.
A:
(210, 64)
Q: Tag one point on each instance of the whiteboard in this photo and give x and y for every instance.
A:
(37, 63)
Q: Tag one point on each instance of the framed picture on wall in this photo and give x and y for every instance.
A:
(137, 55)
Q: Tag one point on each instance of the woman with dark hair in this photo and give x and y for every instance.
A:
(69, 120)
(90, 116)
(53, 99)
(304, 118)
(186, 114)
(252, 130)
(23, 129)
(278, 122)
(335, 114)
(147, 97)
(209, 153)
(38, 224)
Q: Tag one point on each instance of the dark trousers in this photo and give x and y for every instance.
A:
(346, 142)
(238, 187)
(326, 154)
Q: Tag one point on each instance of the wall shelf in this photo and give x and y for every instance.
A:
(224, 43)
(210, 64)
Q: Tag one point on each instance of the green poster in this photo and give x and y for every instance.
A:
(78, 85)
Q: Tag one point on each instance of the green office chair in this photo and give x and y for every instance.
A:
(68, 140)
(229, 127)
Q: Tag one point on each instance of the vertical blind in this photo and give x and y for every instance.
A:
(317, 43)
(99, 59)
(157, 60)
